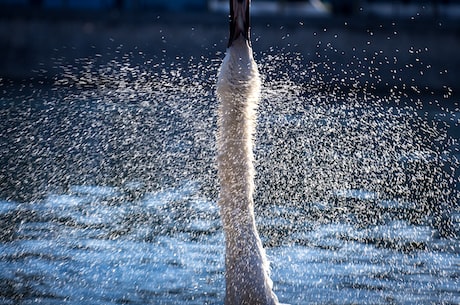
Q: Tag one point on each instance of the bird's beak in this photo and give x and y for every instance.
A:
(239, 20)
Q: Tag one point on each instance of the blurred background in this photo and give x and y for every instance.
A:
(34, 32)
(403, 7)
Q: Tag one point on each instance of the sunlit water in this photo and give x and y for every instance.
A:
(114, 167)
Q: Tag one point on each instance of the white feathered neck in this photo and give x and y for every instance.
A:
(238, 90)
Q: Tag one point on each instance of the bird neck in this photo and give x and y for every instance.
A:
(238, 89)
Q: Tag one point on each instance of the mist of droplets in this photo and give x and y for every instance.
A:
(324, 128)
(117, 161)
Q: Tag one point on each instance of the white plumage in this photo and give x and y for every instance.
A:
(238, 90)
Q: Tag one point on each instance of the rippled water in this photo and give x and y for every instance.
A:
(109, 188)
(92, 246)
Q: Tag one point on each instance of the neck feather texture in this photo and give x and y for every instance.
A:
(238, 90)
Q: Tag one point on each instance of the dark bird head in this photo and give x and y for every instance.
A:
(239, 20)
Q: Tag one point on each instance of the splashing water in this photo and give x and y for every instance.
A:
(356, 187)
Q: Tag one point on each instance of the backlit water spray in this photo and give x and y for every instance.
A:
(109, 185)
